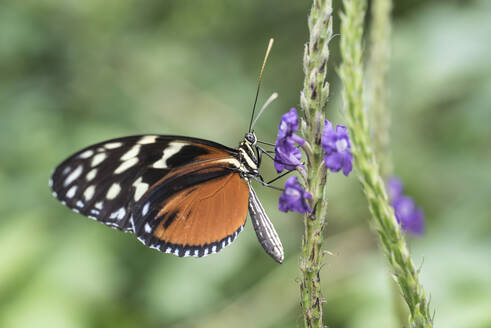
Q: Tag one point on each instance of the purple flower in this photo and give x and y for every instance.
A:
(288, 124)
(287, 155)
(337, 146)
(394, 187)
(409, 216)
(294, 198)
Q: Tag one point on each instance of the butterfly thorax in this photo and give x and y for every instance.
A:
(249, 163)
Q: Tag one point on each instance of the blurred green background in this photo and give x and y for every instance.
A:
(73, 73)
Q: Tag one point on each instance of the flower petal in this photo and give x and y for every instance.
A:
(294, 198)
(287, 155)
(394, 187)
(347, 162)
(409, 216)
(334, 161)
(336, 145)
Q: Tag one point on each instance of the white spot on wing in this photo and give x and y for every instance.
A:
(113, 145)
(148, 228)
(71, 192)
(132, 221)
(98, 159)
(173, 148)
(66, 170)
(140, 188)
(98, 205)
(126, 165)
(72, 176)
(113, 191)
(91, 174)
(187, 252)
(119, 214)
(80, 203)
(147, 139)
(50, 182)
(155, 247)
(131, 153)
(214, 249)
(168, 250)
(89, 192)
(205, 251)
(145, 209)
(86, 154)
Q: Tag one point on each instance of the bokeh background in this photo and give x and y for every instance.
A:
(73, 73)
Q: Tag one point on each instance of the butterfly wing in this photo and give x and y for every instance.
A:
(106, 180)
(195, 211)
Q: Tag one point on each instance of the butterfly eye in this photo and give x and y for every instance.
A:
(250, 137)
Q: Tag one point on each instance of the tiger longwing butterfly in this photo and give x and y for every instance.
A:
(179, 195)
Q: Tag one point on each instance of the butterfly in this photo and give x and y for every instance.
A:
(180, 195)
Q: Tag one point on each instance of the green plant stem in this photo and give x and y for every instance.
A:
(313, 100)
(384, 222)
(376, 93)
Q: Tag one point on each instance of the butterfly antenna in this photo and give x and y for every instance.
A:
(268, 50)
(266, 104)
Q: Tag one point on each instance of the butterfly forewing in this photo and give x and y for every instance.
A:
(105, 181)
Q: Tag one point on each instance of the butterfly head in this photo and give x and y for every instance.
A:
(250, 137)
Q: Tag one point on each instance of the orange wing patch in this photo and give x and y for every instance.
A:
(204, 214)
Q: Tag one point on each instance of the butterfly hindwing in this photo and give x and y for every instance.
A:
(105, 181)
(195, 212)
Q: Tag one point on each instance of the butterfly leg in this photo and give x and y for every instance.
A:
(266, 143)
(279, 177)
(261, 181)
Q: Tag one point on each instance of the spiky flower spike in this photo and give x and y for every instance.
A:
(384, 220)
